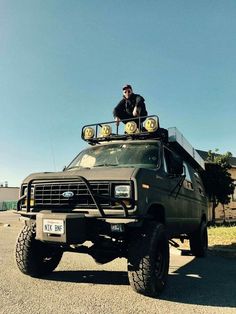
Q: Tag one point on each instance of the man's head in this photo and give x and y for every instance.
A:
(127, 91)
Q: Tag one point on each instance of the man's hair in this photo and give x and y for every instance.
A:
(127, 86)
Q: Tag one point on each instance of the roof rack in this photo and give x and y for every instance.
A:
(144, 127)
(180, 144)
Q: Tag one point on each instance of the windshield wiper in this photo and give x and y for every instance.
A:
(106, 165)
(77, 167)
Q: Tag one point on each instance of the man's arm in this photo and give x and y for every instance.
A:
(140, 107)
(118, 110)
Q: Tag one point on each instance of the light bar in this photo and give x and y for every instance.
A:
(140, 127)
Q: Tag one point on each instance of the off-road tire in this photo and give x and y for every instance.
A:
(198, 241)
(34, 257)
(148, 260)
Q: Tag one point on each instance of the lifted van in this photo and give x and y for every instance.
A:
(129, 194)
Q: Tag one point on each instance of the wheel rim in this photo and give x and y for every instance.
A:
(160, 262)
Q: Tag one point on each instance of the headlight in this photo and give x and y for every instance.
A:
(122, 191)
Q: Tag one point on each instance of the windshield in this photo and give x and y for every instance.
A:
(141, 155)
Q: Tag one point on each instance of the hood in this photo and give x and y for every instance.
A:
(90, 174)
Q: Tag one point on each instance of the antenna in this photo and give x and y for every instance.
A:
(53, 155)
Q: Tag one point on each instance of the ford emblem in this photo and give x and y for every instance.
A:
(68, 194)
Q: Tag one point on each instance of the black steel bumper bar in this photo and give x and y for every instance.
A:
(95, 197)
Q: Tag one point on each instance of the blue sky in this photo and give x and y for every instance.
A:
(62, 65)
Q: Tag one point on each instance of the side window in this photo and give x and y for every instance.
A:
(173, 164)
(165, 165)
(188, 183)
(186, 172)
(200, 187)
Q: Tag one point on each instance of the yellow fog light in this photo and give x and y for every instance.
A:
(31, 202)
(131, 127)
(151, 125)
(126, 202)
(88, 133)
(106, 130)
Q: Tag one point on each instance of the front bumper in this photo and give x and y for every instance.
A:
(77, 228)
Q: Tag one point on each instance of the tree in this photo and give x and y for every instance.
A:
(217, 180)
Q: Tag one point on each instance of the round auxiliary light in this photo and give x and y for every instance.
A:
(88, 133)
(106, 130)
(131, 127)
(151, 125)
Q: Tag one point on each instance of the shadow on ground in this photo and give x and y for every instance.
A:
(204, 281)
(91, 276)
(224, 250)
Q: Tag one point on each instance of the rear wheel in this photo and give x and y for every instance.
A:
(198, 241)
(148, 260)
(34, 257)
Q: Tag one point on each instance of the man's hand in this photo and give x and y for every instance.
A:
(117, 121)
(136, 111)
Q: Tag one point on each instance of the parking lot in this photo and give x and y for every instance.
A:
(79, 285)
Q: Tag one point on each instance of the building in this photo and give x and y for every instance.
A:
(227, 212)
(8, 197)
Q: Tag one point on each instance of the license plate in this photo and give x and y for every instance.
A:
(53, 226)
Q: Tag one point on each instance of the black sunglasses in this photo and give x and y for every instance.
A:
(127, 91)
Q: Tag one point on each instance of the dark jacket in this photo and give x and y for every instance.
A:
(124, 109)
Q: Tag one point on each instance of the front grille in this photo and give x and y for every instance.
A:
(50, 194)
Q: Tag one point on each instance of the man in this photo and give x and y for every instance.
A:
(131, 106)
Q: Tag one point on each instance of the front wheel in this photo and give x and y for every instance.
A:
(198, 241)
(148, 260)
(34, 257)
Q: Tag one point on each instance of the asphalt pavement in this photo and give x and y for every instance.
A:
(79, 285)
